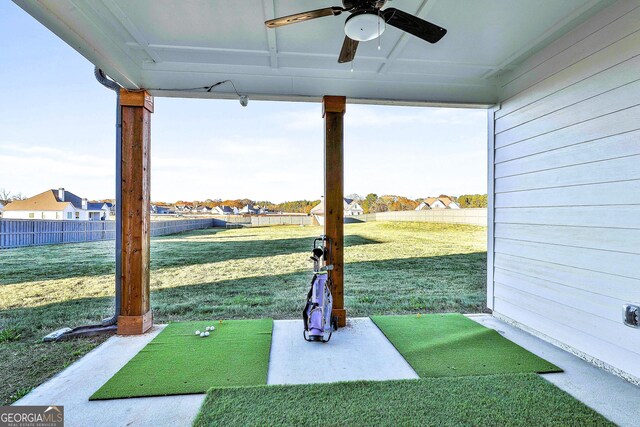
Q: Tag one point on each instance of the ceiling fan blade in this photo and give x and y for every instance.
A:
(413, 25)
(348, 52)
(304, 16)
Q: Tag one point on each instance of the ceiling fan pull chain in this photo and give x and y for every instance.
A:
(378, 29)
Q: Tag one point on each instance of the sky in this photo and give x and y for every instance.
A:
(57, 129)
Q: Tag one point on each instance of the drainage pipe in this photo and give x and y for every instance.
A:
(110, 84)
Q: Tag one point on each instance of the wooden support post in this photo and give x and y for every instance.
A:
(333, 112)
(135, 310)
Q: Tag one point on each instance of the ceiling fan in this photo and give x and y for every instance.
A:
(367, 21)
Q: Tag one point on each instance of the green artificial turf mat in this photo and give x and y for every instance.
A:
(491, 400)
(177, 361)
(444, 345)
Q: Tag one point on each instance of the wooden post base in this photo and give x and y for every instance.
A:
(342, 316)
(135, 325)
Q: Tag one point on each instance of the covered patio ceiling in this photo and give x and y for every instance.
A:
(165, 45)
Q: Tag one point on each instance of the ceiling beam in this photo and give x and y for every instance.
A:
(423, 10)
(131, 28)
(270, 13)
(198, 49)
(262, 53)
(213, 71)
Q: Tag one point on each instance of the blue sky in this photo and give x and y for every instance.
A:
(57, 130)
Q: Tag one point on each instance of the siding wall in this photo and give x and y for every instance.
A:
(566, 202)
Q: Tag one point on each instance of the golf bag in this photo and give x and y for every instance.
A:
(318, 321)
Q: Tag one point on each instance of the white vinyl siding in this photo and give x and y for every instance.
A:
(566, 189)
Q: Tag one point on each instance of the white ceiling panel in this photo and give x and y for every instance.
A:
(167, 45)
(197, 23)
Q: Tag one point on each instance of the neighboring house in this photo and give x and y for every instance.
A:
(423, 206)
(183, 208)
(250, 209)
(225, 210)
(351, 208)
(112, 209)
(161, 210)
(443, 202)
(203, 209)
(448, 202)
(57, 204)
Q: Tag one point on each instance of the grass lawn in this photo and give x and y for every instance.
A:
(501, 400)
(391, 268)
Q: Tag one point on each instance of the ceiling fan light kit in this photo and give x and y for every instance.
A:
(367, 21)
(364, 26)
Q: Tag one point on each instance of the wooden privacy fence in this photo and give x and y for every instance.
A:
(472, 216)
(261, 221)
(162, 228)
(16, 233)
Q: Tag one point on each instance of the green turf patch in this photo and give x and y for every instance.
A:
(445, 345)
(499, 400)
(177, 361)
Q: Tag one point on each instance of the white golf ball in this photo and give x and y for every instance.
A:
(202, 334)
(197, 332)
(212, 328)
(207, 328)
(206, 334)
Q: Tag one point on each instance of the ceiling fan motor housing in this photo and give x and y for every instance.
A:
(363, 4)
(364, 26)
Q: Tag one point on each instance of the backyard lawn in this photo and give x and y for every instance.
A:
(391, 268)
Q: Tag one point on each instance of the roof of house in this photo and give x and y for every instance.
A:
(49, 201)
(95, 206)
(446, 200)
(46, 201)
(225, 208)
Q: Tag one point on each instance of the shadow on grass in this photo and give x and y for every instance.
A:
(97, 258)
(451, 283)
(169, 253)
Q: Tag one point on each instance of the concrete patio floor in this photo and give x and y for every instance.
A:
(359, 351)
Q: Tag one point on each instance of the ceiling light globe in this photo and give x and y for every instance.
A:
(363, 27)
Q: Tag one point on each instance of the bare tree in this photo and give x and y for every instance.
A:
(5, 195)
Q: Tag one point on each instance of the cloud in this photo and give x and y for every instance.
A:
(408, 151)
